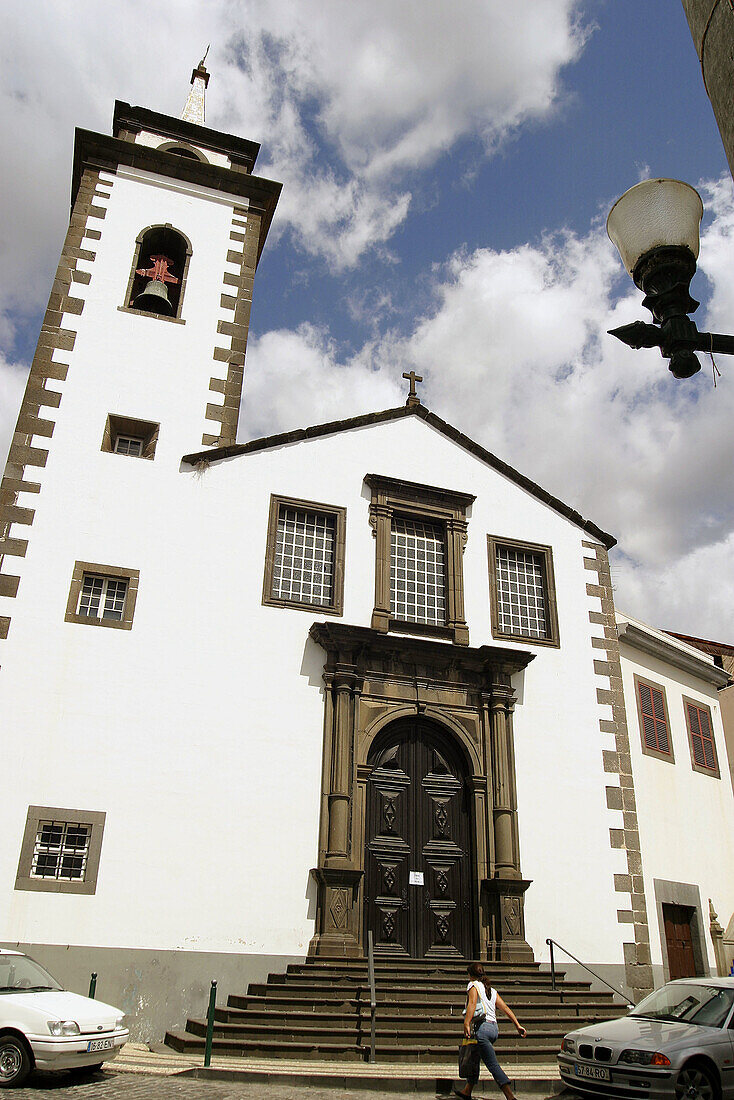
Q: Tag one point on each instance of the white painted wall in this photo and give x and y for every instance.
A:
(686, 819)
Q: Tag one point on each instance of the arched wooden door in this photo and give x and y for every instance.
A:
(418, 881)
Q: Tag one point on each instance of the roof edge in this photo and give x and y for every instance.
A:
(215, 454)
(652, 643)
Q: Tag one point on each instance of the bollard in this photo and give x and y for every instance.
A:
(93, 985)
(210, 1025)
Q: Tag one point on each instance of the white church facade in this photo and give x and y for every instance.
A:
(261, 698)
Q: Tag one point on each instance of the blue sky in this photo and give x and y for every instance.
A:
(619, 113)
(447, 170)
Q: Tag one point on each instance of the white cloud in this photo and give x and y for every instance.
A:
(12, 383)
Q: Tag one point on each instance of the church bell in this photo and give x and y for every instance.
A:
(154, 298)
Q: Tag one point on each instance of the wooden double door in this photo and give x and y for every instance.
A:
(418, 860)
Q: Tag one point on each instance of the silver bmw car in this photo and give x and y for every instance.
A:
(676, 1043)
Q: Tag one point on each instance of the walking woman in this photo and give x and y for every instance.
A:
(480, 1019)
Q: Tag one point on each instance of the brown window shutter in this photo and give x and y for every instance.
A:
(701, 736)
(655, 728)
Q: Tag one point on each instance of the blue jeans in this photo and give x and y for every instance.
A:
(486, 1034)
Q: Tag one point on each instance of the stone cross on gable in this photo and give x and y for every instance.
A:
(412, 377)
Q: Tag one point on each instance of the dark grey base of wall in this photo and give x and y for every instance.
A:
(157, 990)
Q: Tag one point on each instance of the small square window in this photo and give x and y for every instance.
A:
(701, 737)
(60, 850)
(125, 435)
(128, 445)
(102, 595)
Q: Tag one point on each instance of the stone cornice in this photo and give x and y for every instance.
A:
(135, 119)
(655, 646)
(412, 489)
(99, 152)
(357, 645)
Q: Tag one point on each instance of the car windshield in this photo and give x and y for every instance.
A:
(705, 1005)
(19, 974)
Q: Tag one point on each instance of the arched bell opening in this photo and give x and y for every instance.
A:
(418, 858)
(188, 152)
(158, 275)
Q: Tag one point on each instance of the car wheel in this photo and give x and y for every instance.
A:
(696, 1082)
(15, 1063)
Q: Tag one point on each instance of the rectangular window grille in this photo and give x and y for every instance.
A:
(128, 445)
(61, 850)
(702, 739)
(417, 572)
(521, 598)
(303, 566)
(654, 722)
(102, 597)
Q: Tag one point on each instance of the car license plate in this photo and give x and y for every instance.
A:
(100, 1044)
(597, 1073)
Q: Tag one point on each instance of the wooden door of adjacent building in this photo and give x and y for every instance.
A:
(418, 882)
(679, 940)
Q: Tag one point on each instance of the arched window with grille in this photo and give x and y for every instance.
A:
(158, 276)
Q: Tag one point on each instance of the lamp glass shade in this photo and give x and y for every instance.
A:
(652, 214)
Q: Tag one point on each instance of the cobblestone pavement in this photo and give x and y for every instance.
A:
(109, 1085)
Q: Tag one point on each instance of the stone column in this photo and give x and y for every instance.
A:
(337, 923)
(504, 893)
(456, 535)
(506, 854)
(717, 938)
(380, 515)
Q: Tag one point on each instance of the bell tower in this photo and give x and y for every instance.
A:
(142, 346)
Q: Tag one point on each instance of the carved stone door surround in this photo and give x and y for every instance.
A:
(370, 681)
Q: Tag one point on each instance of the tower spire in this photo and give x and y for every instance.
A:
(194, 109)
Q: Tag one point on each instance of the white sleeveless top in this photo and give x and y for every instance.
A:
(484, 1006)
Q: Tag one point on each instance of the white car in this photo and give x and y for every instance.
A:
(44, 1026)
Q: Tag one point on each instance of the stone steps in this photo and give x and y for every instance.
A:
(319, 1010)
(564, 1015)
(530, 1053)
(277, 997)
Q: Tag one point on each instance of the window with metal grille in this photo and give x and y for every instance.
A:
(702, 739)
(102, 597)
(61, 850)
(653, 718)
(128, 445)
(303, 563)
(417, 572)
(521, 593)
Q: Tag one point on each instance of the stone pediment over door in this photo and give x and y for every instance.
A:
(373, 680)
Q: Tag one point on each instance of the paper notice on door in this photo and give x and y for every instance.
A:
(415, 878)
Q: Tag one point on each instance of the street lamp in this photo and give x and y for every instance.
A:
(655, 226)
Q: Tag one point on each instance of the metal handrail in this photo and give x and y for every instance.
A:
(552, 943)
(373, 993)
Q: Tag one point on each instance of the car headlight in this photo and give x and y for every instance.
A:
(63, 1027)
(568, 1046)
(119, 1022)
(644, 1058)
